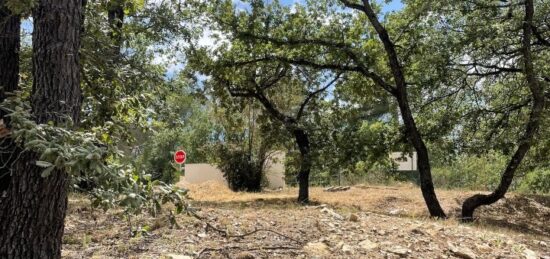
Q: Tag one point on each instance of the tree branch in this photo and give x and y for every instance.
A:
(346, 48)
(312, 94)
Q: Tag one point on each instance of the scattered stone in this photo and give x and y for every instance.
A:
(340, 245)
(353, 217)
(395, 212)
(401, 251)
(462, 252)
(368, 245)
(245, 255)
(530, 254)
(201, 235)
(332, 213)
(347, 249)
(176, 256)
(316, 249)
(419, 231)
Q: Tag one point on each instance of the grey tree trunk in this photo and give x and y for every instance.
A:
(33, 213)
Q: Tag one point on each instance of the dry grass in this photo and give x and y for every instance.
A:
(91, 233)
(514, 213)
(406, 198)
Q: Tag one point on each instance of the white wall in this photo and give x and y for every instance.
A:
(405, 162)
(199, 173)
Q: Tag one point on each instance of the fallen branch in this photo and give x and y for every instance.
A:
(209, 249)
(226, 234)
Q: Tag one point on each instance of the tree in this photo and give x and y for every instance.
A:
(308, 42)
(10, 24)
(32, 215)
(261, 80)
(531, 127)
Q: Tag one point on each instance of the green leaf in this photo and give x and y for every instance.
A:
(43, 164)
(47, 171)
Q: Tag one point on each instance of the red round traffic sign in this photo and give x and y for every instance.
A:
(180, 156)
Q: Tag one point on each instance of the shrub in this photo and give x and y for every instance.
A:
(536, 181)
(242, 172)
(471, 172)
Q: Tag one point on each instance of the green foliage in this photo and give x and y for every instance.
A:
(536, 181)
(84, 157)
(475, 172)
(20, 7)
(242, 171)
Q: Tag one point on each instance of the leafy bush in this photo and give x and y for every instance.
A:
(471, 172)
(242, 172)
(536, 181)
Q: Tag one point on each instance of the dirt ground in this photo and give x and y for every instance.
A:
(363, 222)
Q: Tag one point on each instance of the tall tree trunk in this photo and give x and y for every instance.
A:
(413, 134)
(33, 213)
(424, 168)
(9, 79)
(9, 50)
(305, 164)
(526, 140)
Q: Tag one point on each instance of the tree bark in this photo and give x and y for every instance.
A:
(10, 41)
(9, 50)
(412, 132)
(32, 215)
(537, 93)
(302, 140)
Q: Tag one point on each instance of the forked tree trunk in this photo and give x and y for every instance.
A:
(305, 164)
(32, 215)
(537, 94)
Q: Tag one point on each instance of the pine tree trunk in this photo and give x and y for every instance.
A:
(9, 79)
(33, 213)
(9, 50)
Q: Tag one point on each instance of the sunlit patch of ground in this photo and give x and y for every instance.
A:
(389, 222)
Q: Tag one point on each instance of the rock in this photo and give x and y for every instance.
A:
(347, 249)
(462, 252)
(316, 249)
(201, 235)
(395, 211)
(353, 217)
(245, 255)
(419, 231)
(529, 254)
(332, 213)
(368, 245)
(401, 251)
(176, 256)
(340, 245)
